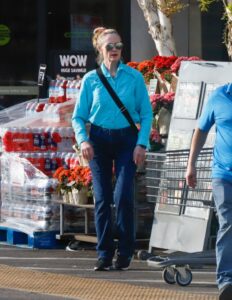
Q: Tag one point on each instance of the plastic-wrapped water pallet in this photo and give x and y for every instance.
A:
(37, 239)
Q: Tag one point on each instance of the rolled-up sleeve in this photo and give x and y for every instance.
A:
(145, 111)
(81, 112)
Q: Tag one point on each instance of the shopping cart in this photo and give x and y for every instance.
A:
(182, 216)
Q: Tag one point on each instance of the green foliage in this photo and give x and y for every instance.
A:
(229, 7)
(170, 7)
(227, 15)
(204, 4)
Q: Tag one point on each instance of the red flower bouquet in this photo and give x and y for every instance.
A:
(163, 63)
(63, 177)
(77, 178)
(80, 177)
(165, 100)
(176, 65)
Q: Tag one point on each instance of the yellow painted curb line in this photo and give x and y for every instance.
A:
(85, 289)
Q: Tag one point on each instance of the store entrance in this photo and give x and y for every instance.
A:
(18, 51)
(33, 32)
(70, 25)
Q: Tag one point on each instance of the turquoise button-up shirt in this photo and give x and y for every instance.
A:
(218, 111)
(96, 106)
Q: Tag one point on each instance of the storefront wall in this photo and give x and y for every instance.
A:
(17, 50)
(73, 35)
(192, 32)
(36, 32)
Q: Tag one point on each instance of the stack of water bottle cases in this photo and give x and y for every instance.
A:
(33, 147)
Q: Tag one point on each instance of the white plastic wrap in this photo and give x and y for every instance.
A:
(38, 114)
(17, 111)
(37, 140)
(46, 127)
(62, 90)
(29, 198)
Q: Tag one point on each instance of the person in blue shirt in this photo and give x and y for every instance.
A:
(218, 111)
(112, 144)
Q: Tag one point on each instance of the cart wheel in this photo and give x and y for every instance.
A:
(143, 255)
(168, 275)
(183, 276)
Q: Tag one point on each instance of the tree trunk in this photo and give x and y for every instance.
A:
(160, 27)
(228, 41)
(228, 29)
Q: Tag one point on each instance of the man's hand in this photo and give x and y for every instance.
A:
(139, 155)
(190, 176)
(87, 151)
(198, 141)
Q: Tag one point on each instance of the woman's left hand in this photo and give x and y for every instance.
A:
(139, 155)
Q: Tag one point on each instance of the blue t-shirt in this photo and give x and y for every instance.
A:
(96, 106)
(218, 111)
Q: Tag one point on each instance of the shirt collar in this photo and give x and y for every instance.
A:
(229, 89)
(107, 73)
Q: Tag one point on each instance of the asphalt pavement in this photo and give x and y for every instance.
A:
(80, 264)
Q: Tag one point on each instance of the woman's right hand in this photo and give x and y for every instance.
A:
(87, 151)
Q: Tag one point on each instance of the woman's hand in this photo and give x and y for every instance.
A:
(87, 151)
(139, 155)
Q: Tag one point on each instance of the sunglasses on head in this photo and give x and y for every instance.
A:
(117, 46)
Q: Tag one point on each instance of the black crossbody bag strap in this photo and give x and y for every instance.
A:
(116, 99)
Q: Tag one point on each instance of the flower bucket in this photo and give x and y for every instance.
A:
(163, 120)
(80, 197)
(68, 197)
(65, 197)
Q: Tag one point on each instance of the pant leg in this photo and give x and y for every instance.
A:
(101, 168)
(222, 192)
(124, 195)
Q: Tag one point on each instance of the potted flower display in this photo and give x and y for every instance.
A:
(75, 185)
(166, 70)
(162, 108)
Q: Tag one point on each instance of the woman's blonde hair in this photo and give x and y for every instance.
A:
(98, 38)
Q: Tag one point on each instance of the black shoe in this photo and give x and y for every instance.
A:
(122, 262)
(74, 245)
(103, 264)
(226, 292)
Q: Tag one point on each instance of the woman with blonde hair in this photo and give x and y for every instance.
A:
(113, 141)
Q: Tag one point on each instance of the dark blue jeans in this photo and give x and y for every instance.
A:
(113, 148)
(222, 192)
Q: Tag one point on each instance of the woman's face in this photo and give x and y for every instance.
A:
(111, 48)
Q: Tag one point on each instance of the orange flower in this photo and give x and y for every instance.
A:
(146, 66)
(75, 178)
(133, 64)
(57, 172)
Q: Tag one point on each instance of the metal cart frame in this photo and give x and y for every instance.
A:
(182, 216)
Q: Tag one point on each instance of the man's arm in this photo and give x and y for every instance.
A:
(198, 141)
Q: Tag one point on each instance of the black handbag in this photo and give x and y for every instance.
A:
(117, 100)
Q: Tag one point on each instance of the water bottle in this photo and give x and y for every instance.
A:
(42, 137)
(47, 164)
(36, 139)
(28, 139)
(7, 140)
(51, 91)
(54, 164)
(48, 131)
